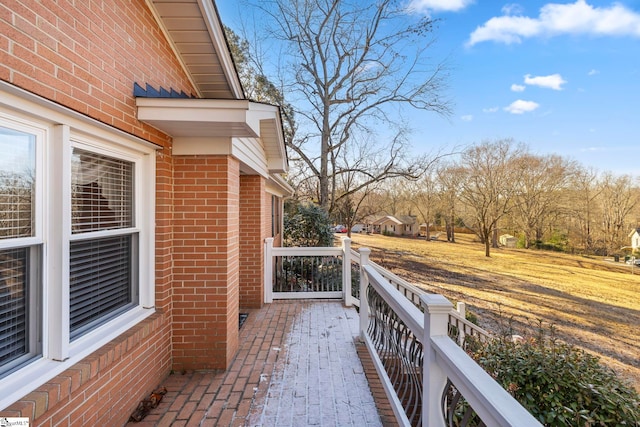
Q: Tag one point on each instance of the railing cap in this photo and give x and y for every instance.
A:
(435, 303)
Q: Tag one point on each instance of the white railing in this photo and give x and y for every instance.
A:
(446, 370)
(315, 264)
(410, 335)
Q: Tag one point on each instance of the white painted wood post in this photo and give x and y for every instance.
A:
(462, 310)
(436, 321)
(364, 284)
(268, 270)
(346, 272)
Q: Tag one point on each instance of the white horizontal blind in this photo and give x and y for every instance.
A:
(13, 305)
(100, 271)
(102, 192)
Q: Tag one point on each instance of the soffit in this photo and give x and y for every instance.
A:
(196, 34)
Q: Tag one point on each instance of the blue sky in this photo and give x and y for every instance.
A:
(562, 77)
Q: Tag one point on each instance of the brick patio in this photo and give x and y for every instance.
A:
(297, 365)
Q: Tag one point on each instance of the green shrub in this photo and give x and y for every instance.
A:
(307, 225)
(560, 384)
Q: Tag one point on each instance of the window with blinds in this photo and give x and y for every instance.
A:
(101, 269)
(18, 290)
(76, 259)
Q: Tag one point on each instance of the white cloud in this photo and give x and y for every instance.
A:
(557, 19)
(425, 6)
(467, 118)
(553, 81)
(593, 72)
(490, 110)
(521, 107)
(512, 9)
(517, 88)
(594, 149)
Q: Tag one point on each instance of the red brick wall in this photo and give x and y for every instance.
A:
(253, 216)
(86, 55)
(206, 269)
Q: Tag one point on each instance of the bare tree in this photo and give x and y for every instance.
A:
(583, 194)
(489, 184)
(351, 64)
(423, 197)
(449, 178)
(618, 199)
(541, 181)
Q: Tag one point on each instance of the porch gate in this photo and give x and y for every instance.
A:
(308, 273)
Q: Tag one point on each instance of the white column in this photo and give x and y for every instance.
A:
(364, 284)
(436, 321)
(346, 272)
(268, 270)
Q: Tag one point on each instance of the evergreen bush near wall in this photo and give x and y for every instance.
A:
(307, 225)
(561, 385)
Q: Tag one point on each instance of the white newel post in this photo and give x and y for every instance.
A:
(268, 270)
(364, 284)
(346, 272)
(436, 321)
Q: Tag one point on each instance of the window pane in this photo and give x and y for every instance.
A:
(14, 340)
(100, 280)
(17, 178)
(102, 192)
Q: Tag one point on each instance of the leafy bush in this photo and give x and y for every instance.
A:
(560, 384)
(307, 225)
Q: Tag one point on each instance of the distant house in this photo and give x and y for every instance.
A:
(404, 225)
(508, 241)
(635, 238)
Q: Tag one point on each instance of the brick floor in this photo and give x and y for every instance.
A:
(297, 366)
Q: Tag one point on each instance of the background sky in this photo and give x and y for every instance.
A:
(562, 77)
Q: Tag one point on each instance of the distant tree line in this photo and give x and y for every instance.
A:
(497, 187)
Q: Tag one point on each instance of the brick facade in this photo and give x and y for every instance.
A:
(205, 300)
(210, 220)
(253, 223)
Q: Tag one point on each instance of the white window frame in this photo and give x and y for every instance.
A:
(62, 129)
(36, 240)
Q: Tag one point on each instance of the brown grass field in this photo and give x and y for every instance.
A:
(593, 303)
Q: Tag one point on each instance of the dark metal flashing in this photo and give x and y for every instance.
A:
(150, 92)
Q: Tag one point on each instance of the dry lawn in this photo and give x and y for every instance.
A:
(593, 303)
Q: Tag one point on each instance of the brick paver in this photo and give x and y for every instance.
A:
(297, 365)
